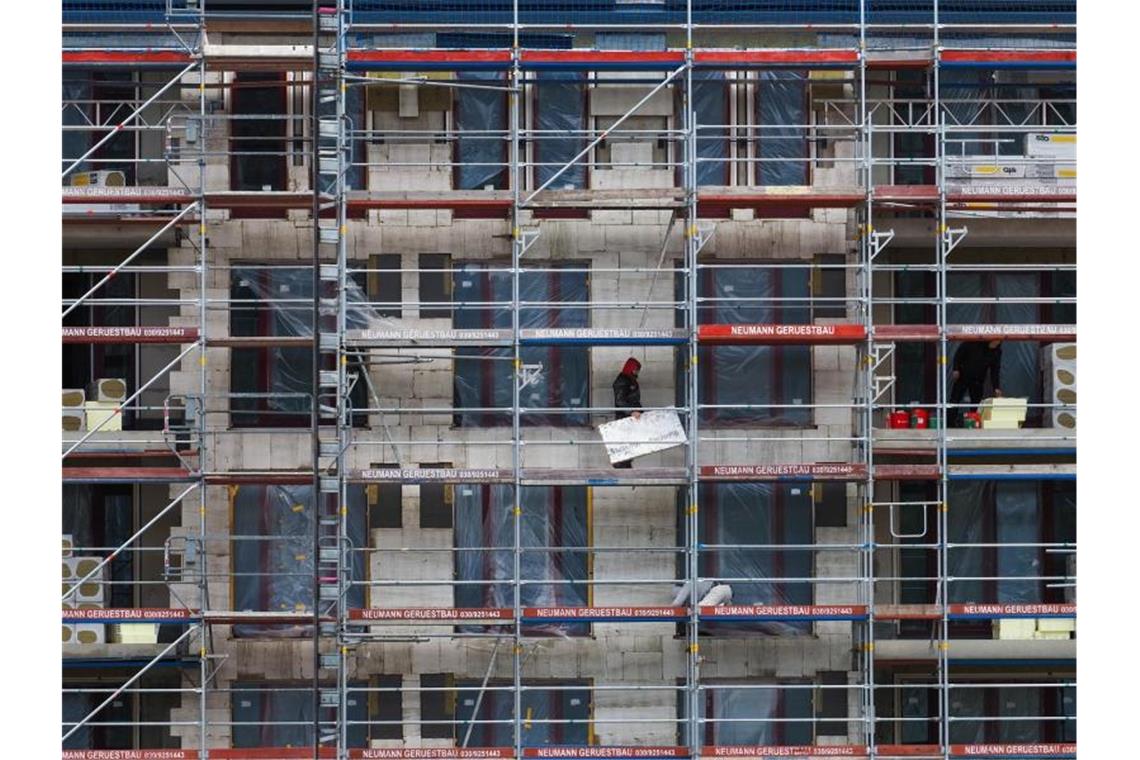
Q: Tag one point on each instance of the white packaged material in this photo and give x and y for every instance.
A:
(630, 437)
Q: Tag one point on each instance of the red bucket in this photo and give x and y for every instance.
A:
(920, 419)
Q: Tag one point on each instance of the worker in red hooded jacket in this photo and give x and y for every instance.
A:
(627, 396)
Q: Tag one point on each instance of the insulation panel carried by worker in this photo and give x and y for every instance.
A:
(632, 437)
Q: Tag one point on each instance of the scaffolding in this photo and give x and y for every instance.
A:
(905, 212)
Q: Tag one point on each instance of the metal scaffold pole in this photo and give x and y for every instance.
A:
(692, 456)
(866, 378)
(204, 449)
(519, 375)
(940, 252)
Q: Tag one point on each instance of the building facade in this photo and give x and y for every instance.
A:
(365, 274)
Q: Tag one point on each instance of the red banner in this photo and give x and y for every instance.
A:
(819, 471)
(141, 614)
(130, 754)
(429, 613)
(1012, 610)
(773, 333)
(589, 752)
(786, 610)
(838, 750)
(1014, 750)
(603, 613)
(431, 753)
(153, 334)
(428, 475)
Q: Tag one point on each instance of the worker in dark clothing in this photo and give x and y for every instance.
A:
(973, 361)
(627, 395)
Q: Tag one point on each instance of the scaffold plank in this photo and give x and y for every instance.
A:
(600, 60)
(798, 58)
(998, 59)
(131, 58)
(605, 476)
(127, 475)
(761, 334)
(396, 59)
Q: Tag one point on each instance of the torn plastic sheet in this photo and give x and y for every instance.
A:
(560, 107)
(482, 296)
(782, 100)
(493, 724)
(755, 514)
(551, 517)
(277, 302)
(481, 158)
(990, 512)
(272, 553)
(755, 375)
(272, 714)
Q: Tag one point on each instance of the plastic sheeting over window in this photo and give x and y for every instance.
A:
(482, 157)
(278, 302)
(754, 375)
(483, 376)
(757, 514)
(710, 108)
(754, 716)
(560, 118)
(268, 714)
(493, 724)
(272, 552)
(552, 517)
(1006, 512)
(782, 149)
